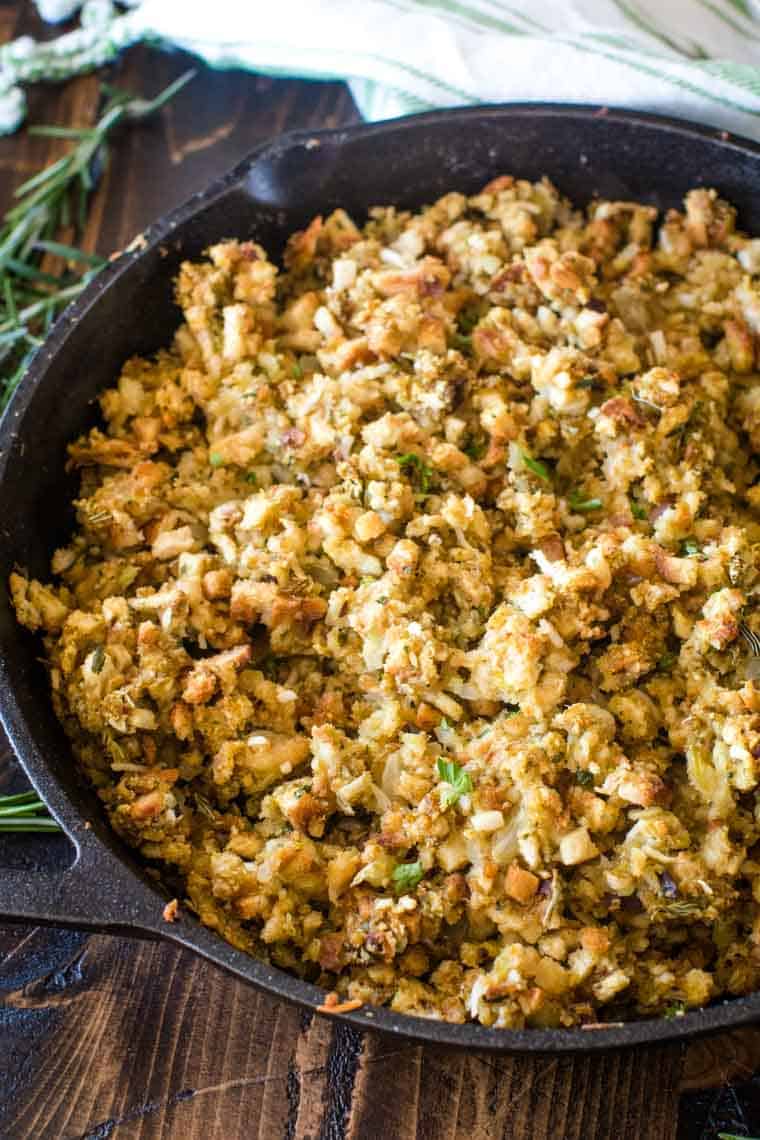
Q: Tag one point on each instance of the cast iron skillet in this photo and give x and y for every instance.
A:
(129, 309)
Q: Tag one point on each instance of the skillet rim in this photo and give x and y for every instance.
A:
(145, 913)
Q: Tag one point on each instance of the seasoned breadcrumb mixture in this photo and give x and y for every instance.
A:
(409, 625)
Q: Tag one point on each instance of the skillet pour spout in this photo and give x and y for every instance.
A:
(129, 310)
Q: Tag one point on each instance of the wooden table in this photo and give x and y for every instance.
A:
(103, 1036)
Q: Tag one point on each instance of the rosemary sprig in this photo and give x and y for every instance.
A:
(25, 812)
(52, 201)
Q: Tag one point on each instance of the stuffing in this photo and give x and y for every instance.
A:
(408, 624)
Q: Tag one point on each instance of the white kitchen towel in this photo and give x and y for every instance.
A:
(698, 59)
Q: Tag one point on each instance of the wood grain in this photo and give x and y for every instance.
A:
(150, 1042)
(103, 1037)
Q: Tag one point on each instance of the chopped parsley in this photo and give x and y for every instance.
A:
(536, 466)
(475, 448)
(297, 371)
(421, 472)
(250, 477)
(675, 1009)
(98, 659)
(667, 661)
(215, 459)
(511, 710)
(584, 778)
(459, 782)
(406, 876)
(690, 548)
(467, 320)
(461, 341)
(577, 502)
(637, 510)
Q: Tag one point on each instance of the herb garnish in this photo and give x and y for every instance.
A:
(215, 459)
(577, 502)
(475, 448)
(204, 807)
(690, 548)
(637, 510)
(25, 812)
(675, 1009)
(421, 472)
(458, 781)
(53, 200)
(467, 319)
(406, 876)
(250, 477)
(536, 466)
(584, 778)
(667, 661)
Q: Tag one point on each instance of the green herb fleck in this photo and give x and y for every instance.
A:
(475, 449)
(584, 778)
(462, 342)
(675, 1009)
(467, 320)
(406, 876)
(692, 418)
(638, 510)
(587, 382)
(382, 601)
(268, 667)
(204, 807)
(98, 659)
(577, 502)
(250, 477)
(25, 812)
(458, 781)
(536, 466)
(297, 371)
(444, 724)
(681, 908)
(690, 548)
(215, 459)
(511, 710)
(421, 472)
(666, 662)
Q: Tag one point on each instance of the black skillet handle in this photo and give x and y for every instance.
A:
(93, 892)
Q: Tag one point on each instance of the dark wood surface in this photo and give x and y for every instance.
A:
(102, 1036)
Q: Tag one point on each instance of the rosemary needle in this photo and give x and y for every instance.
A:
(53, 200)
(25, 812)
